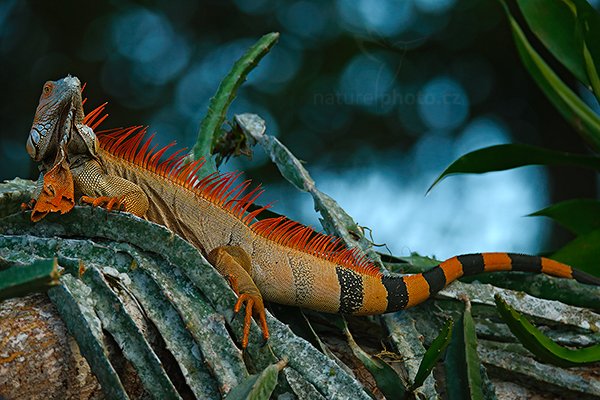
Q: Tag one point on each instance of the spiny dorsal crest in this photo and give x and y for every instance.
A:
(133, 145)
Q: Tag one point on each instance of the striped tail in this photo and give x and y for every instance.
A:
(407, 291)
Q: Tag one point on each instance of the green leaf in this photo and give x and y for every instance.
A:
(570, 29)
(131, 271)
(575, 111)
(210, 127)
(20, 280)
(202, 322)
(173, 331)
(582, 253)
(258, 387)
(433, 354)
(540, 345)
(463, 375)
(555, 23)
(420, 263)
(116, 320)
(507, 156)
(388, 381)
(590, 23)
(73, 302)
(579, 216)
(592, 70)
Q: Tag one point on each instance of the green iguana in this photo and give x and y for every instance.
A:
(275, 259)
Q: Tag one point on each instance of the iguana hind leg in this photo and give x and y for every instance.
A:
(236, 266)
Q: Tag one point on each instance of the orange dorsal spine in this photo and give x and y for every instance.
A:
(341, 279)
(134, 145)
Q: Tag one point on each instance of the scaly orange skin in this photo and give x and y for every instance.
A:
(275, 259)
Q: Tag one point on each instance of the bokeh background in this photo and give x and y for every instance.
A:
(377, 96)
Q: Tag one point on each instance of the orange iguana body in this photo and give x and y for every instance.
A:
(276, 259)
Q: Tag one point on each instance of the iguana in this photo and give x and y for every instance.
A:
(275, 259)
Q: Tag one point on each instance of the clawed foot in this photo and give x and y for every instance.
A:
(109, 203)
(254, 306)
(236, 266)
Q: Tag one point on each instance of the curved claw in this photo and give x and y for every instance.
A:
(265, 341)
(254, 306)
(109, 203)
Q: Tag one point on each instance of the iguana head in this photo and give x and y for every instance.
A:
(59, 109)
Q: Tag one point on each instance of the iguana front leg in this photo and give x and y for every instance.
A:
(101, 189)
(236, 266)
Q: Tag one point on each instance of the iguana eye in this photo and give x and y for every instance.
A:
(47, 88)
